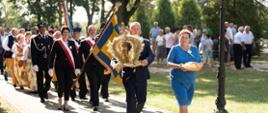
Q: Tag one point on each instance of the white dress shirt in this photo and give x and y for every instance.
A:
(248, 37)
(160, 40)
(238, 38)
(5, 44)
(230, 35)
(169, 37)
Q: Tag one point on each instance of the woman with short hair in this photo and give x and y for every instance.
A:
(184, 61)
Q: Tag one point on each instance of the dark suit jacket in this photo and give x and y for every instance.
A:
(141, 73)
(41, 47)
(58, 57)
(83, 52)
(11, 41)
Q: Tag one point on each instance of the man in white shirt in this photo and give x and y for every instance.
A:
(7, 45)
(230, 37)
(154, 32)
(192, 35)
(238, 45)
(249, 44)
(169, 37)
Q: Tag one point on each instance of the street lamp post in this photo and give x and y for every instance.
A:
(220, 102)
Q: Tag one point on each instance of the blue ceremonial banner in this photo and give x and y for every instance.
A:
(100, 50)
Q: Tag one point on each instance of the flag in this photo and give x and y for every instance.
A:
(100, 49)
(66, 16)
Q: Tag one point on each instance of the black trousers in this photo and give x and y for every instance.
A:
(247, 55)
(2, 64)
(95, 76)
(136, 92)
(41, 87)
(82, 88)
(64, 77)
(105, 86)
(237, 55)
(167, 49)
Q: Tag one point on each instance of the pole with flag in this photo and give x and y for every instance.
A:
(100, 49)
(66, 16)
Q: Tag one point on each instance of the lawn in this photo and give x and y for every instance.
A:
(246, 92)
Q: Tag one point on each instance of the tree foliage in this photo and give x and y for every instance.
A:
(142, 16)
(44, 10)
(12, 17)
(164, 14)
(189, 13)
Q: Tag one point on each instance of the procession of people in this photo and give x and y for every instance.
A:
(36, 60)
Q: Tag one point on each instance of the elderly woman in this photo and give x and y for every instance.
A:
(184, 61)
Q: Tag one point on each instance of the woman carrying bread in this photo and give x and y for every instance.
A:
(185, 61)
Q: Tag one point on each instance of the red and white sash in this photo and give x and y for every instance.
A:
(67, 52)
(90, 42)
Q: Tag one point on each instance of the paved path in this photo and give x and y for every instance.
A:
(261, 67)
(23, 101)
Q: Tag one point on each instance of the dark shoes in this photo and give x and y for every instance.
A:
(42, 100)
(46, 96)
(95, 108)
(83, 98)
(65, 109)
(106, 100)
(73, 98)
(5, 75)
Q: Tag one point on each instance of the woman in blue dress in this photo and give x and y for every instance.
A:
(184, 61)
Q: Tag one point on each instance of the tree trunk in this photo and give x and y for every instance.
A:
(102, 11)
(123, 14)
(60, 14)
(86, 7)
(90, 11)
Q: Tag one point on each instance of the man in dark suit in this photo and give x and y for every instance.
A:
(40, 49)
(135, 79)
(93, 69)
(82, 82)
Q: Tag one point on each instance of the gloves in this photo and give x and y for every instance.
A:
(50, 72)
(77, 72)
(35, 68)
(114, 64)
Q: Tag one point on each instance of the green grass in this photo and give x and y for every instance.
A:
(246, 92)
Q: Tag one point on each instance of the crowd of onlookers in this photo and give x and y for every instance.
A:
(238, 41)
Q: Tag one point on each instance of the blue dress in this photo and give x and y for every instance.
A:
(183, 82)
